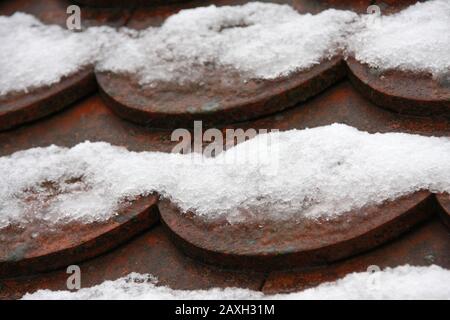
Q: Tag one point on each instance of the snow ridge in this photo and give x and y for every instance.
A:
(404, 282)
(256, 40)
(319, 172)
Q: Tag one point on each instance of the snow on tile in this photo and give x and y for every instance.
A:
(36, 55)
(404, 282)
(417, 39)
(320, 172)
(255, 40)
(260, 40)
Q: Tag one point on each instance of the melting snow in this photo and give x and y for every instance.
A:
(405, 282)
(316, 172)
(258, 40)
